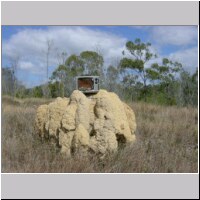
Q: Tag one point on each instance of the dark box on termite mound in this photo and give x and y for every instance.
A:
(87, 84)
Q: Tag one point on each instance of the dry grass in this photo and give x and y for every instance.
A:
(167, 142)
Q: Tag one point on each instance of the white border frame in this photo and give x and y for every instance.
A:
(95, 185)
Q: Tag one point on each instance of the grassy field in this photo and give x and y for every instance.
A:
(167, 142)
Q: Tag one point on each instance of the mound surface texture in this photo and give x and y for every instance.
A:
(98, 123)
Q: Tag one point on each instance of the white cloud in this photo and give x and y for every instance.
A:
(174, 35)
(26, 65)
(188, 58)
(31, 44)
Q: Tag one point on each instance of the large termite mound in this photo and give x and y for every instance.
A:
(98, 123)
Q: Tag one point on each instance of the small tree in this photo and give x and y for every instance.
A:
(75, 65)
(188, 88)
(37, 92)
(14, 61)
(59, 75)
(112, 76)
(140, 54)
(65, 74)
(166, 75)
(7, 80)
(61, 57)
(92, 62)
(49, 45)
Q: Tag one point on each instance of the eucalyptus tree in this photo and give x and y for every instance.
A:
(93, 63)
(138, 55)
(112, 76)
(14, 62)
(167, 76)
(188, 88)
(64, 75)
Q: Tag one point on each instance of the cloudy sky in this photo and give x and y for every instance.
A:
(29, 44)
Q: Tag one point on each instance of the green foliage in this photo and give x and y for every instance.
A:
(140, 50)
(166, 72)
(166, 83)
(141, 54)
(112, 76)
(54, 89)
(74, 65)
(93, 63)
(152, 74)
(188, 88)
(132, 64)
(62, 79)
(7, 81)
(37, 92)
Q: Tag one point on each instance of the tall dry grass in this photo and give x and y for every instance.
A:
(167, 142)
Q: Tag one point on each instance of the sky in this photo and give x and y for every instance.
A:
(28, 44)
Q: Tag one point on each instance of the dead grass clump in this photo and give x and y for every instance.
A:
(167, 142)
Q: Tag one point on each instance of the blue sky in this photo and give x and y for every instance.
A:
(29, 44)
